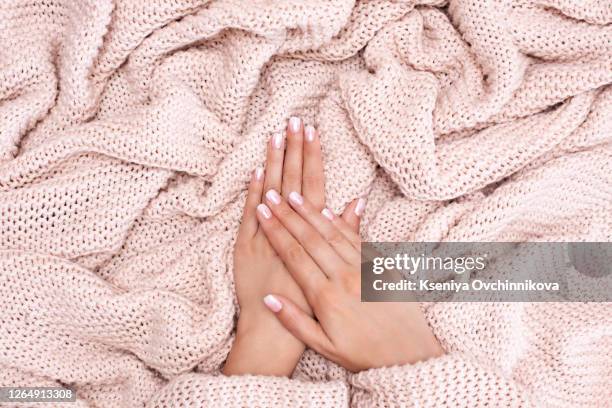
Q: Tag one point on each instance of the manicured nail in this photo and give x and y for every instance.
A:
(310, 133)
(273, 303)
(296, 198)
(294, 124)
(277, 140)
(259, 173)
(273, 196)
(360, 207)
(264, 210)
(327, 214)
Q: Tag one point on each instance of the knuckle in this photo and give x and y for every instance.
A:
(290, 317)
(326, 297)
(311, 180)
(311, 290)
(308, 235)
(334, 238)
(291, 174)
(274, 156)
(294, 253)
(349, 279)
(282, 211)
(352, 285)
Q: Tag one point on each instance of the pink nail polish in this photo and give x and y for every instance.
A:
(327, 214)
(273, 303)
(277, 140)
(259, 173)
(360, 207)
(310, 133)
(264, 210)
(273, 196)
(296, 198)
(294, 124)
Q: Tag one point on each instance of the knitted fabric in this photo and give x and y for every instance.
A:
(129, 129)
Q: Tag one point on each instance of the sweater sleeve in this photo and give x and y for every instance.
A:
(197, 390)
(452, 380)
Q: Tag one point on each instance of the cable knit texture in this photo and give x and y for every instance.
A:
(129, 129)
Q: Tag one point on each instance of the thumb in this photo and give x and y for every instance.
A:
(300, 324)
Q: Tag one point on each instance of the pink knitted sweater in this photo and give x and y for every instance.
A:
(129, 128)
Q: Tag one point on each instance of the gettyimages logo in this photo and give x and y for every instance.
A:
(413, 264)
(486, 272)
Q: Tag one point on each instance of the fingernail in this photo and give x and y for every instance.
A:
(310, 133)
(264, 210)
(259, 173)
(273, 303)
(294, 124)
(360, 207)
(296, 198)
(277, 140)
(327, 214)
(273, 196)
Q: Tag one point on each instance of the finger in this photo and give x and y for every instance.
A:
(300, 324)
(334, 237)
(353, 212)
(349, 231)
(248, 226)
(292, 166)
(274, 162)
(313, 178)
(299, 264)
(307, 236)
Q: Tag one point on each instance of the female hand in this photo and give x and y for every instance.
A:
(262, 345)
(322, 253)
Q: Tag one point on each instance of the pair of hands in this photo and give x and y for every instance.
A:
(305, 262)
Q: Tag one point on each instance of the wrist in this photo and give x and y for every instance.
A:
(262, 346)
